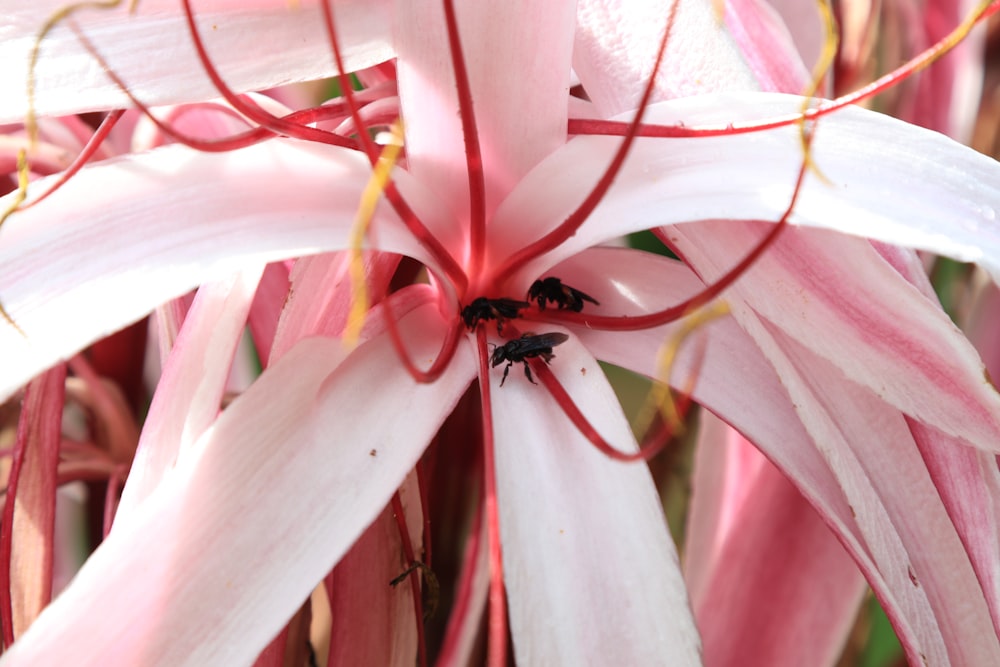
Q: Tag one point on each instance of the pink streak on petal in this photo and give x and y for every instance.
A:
(932, 596)
(520, 106)
(373, 621)
(31, 560)
(766, 45)
(805, 26)
(188, 397)
(320, 297)
(969, 484)
(173, 219)
(616, 44)
(591, 572)
(863, 317)
(949, 210)
(765, 543)
(267, 307)
(284, 480)
(983, 327)
(878, 498)
(947, 94)
(152, 51)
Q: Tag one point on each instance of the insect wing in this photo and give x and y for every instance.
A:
(546, 340)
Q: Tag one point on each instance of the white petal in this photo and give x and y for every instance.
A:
(153, 53)
(886, 180)
(127, 235)
(228, 546)
(590, 568)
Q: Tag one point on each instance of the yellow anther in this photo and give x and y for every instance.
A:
(366, 211)
(660, 398)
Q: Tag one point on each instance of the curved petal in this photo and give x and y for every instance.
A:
(616, 44)
(126, 235)
(520, 107)
(189, 394)
(883, 179)
(570, 515)
(152, 51)
(821, 430)
(288, 478)
(838, 297)
(752, 537)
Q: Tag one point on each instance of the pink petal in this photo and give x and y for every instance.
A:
(288, 477)
(754, 538)
(836, 295)
(969, 484)
(164, 222)
(845, 450)
(152, 51)
(590, 568)
(949, 207)
(188, 397)
(616, 44)
(380, 630)
(520, 107)
(767, 46)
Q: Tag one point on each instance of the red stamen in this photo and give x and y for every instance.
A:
(221, 145)
(497, 621)
(579, 126)
(414, 576)
(445, 354)
(427, 240)
(88, 152)
(245, 105)
(473, 153)
(675, 312)
(569, 226)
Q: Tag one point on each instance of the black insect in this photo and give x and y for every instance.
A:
(492, 309)
(523, 348)
(553, 289)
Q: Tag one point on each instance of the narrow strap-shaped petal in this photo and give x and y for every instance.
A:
(189, 395)
(172, 220)
(288, 478)
(571, 515)
(152, 51)
(774, 586)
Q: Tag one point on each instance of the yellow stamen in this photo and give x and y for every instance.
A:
(30, 119)
(366, 211)
(821, 69)
(661, 398)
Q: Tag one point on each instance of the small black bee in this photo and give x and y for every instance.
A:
(527, 346)
(553, 289)
(492, 309)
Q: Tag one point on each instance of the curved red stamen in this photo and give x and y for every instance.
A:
(88, 152)
(651, 446)
(497, 614)
(427, 240)
(572, 223)
(246, 106)
(220, 145)
(578, 126)
(473, 152)
(411, 557)
(677, 311)
(445, 354)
